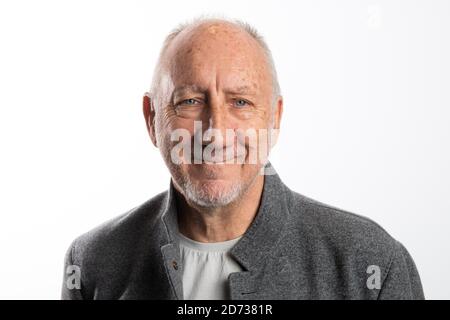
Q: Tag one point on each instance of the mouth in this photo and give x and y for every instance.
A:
(220, 156)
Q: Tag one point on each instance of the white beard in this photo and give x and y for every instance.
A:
(205, 198)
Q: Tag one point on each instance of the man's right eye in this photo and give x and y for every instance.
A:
(188, 102)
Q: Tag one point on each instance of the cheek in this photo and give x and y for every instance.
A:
(255, 119)
(168, 121)
(168, 124)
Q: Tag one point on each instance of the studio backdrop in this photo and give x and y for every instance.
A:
(365, 125)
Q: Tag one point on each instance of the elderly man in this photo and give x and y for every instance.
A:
(228, 228)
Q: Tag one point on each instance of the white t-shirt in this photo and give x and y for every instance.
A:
(206, 267)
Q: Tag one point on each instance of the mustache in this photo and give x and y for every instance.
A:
(216, 146)
(213, 147)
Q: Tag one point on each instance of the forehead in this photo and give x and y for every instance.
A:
(213, 53)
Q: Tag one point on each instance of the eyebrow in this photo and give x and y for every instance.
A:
(195, 88)
(240, 90)
(188, 88)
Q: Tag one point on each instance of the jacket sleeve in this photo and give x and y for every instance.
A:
(402, 281)
(71, 286)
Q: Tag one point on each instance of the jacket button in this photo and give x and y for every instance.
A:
(175, 265)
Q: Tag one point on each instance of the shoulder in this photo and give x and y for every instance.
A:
(338, 244)
(107, 254)
(119, 235)
(341, 233)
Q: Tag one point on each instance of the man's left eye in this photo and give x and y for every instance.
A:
(239, 103)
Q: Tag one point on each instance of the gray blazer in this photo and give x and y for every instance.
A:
(296, 248)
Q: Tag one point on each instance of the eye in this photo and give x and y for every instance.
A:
(240, 103)
(189, 102)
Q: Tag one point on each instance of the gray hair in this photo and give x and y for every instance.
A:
(156, 81)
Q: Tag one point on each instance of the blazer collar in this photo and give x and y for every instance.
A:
(267, 226)
(263, 233)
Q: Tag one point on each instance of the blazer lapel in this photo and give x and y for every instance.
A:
(170, 249)
(261, 237)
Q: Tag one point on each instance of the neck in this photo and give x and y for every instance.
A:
(221, 223)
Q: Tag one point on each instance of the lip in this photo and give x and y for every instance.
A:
(230, 155)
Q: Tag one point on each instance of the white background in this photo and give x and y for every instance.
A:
(365, 128)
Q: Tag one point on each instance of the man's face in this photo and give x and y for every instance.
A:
(216, 77)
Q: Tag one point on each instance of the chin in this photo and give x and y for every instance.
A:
(212, 192)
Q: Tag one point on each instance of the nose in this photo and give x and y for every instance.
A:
(217, 114)
(215, 122)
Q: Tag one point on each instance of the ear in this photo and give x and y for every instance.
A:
(149, 116)
(278, 112)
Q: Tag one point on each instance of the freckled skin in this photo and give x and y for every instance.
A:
(216, 57)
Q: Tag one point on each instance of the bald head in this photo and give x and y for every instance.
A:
(219, 42)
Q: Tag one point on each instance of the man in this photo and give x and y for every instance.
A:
(228, 228)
